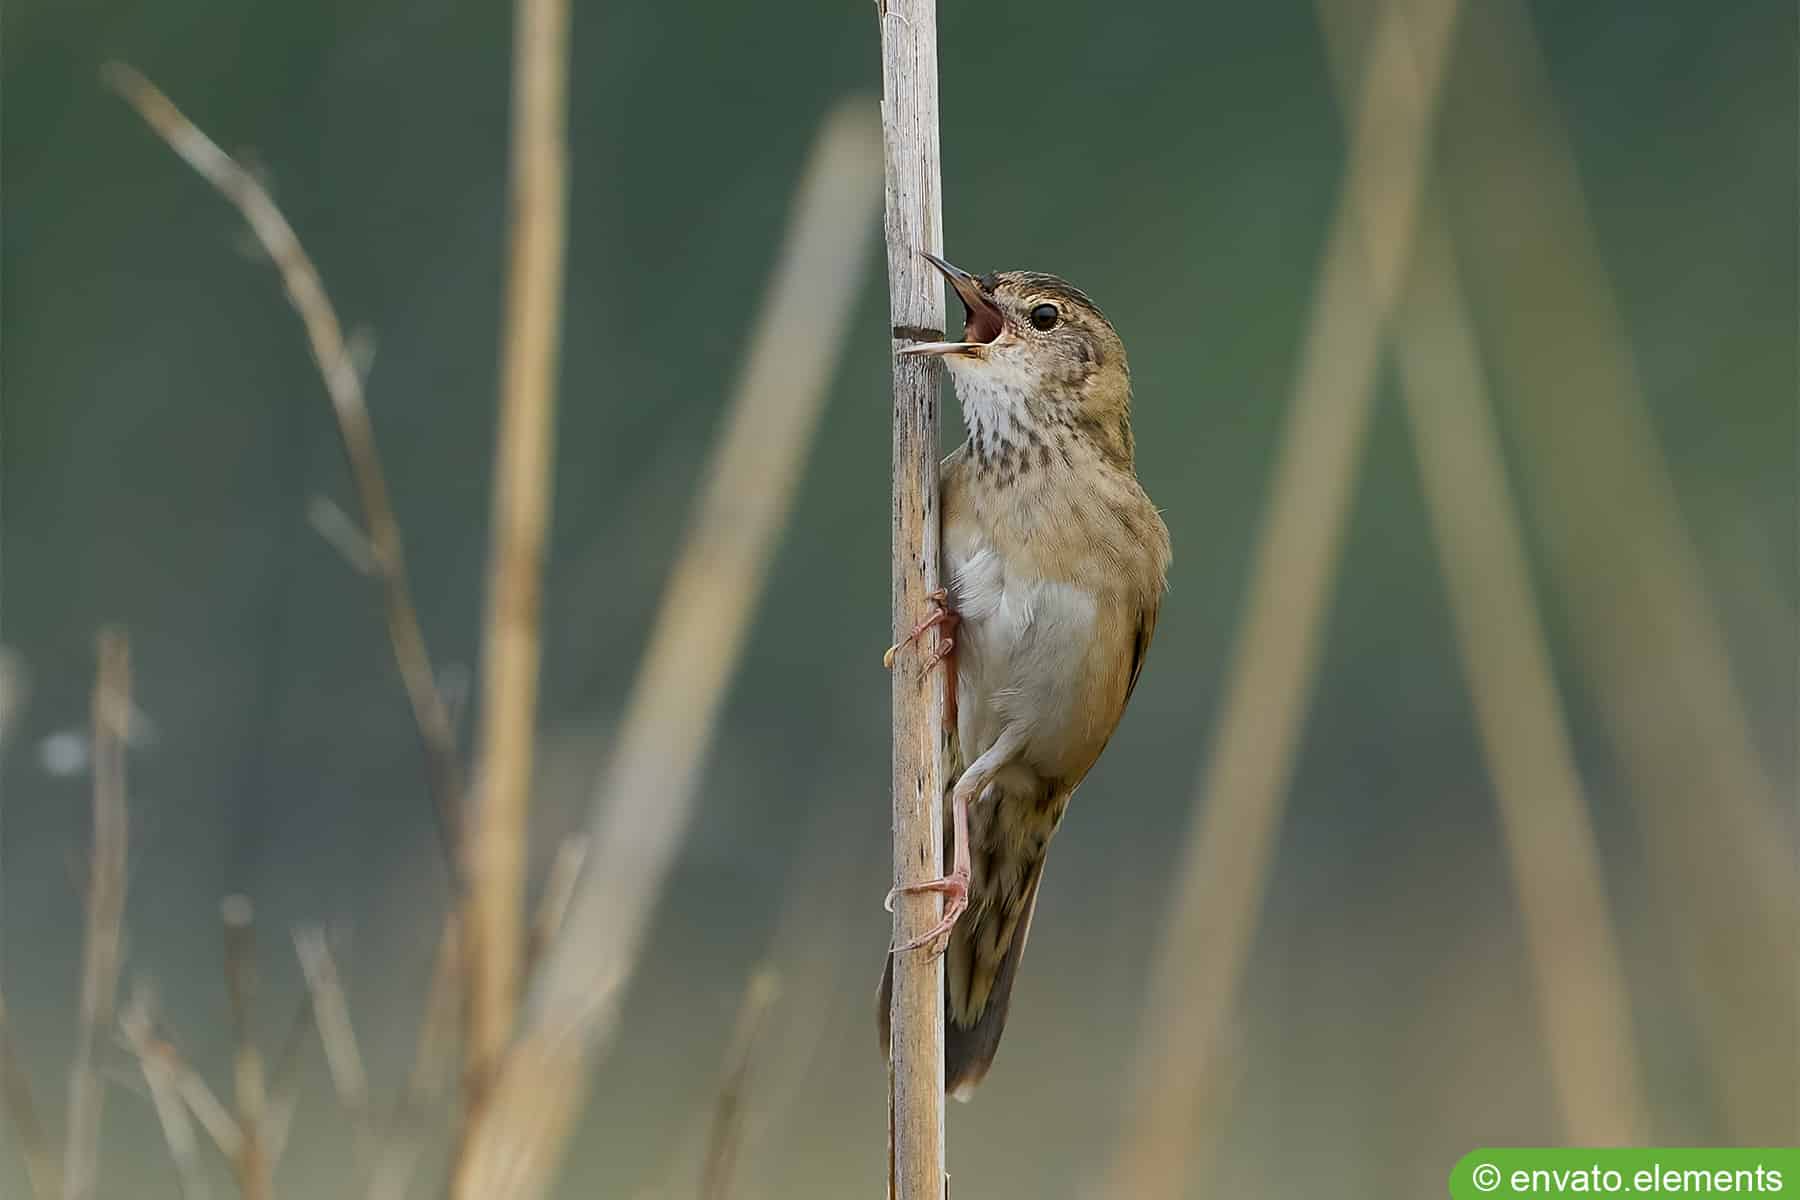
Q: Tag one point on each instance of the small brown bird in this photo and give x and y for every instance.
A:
(1056, 562)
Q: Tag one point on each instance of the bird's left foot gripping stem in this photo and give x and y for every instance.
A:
(942, 618)
(954, 886)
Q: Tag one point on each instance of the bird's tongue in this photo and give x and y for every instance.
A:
(981, 322)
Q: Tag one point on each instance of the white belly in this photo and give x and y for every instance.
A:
(1019, 653)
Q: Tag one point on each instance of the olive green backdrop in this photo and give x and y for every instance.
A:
(163, 431)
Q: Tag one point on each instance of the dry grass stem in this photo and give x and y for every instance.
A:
(553, 905)
(494, 854)
(819, 953)
(1224, 865)
(105, 892)
(207, 1108)
(726, 1135)
(137, 1025)
(22, 1111)
(331, 1015)
(1550, 840)
(284, 1082)
(644, 800)
(249, 1084)
(1643, 622)
(914, 223)
(343, 382)
(1552, 849)
(433, 1063)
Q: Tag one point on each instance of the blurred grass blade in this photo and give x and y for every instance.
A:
(336, 361)
(1643, 624)
(105, 893)
(644, 800)
(22, 1111)
(137, 1024)
(725, 1138)
(512, 626)
(1223, 867)
(1544, 813)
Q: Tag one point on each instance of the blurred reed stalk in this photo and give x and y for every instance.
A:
(42, 1172)
(22, 1111)
(1644, 627)
(914, 223)
(137, 1024)
(337, 365)
(255, 1171)
(818, 950)
(284, 1079)
(644, 799)
(337, 1036)
(725, 1137)
(1224, 864)
(1555, 859)
(433, 1066)
(378, 547)
(111, 713)
(494, 853)
(1552, 851)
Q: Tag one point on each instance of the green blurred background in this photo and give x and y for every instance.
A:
(164, 430)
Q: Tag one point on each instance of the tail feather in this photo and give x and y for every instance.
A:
(972, 1037)
(983, 957)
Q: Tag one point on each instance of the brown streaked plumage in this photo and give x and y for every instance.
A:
(1056, 561)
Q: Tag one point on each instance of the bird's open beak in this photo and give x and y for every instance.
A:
(983, 322)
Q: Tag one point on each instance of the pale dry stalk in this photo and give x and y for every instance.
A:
(343, 383)
(1223, 867)
(644, 798)
(494, 854)
(914, 224)
(105, 894)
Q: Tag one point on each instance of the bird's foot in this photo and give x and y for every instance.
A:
(943, 618)
(955, 888)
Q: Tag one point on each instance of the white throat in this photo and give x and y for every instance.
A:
(994, 395)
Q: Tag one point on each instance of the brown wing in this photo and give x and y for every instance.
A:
(1140, 647)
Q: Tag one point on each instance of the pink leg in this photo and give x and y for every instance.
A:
(954, 886)
(942, 615)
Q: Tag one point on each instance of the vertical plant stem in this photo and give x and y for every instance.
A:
(644, 798)
(249, 1081)
(914, 223)
(1223, 868)
(105, 912)
(495, 851)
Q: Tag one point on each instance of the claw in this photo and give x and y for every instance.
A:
(942, 615)
(955, 887)
(945, 647)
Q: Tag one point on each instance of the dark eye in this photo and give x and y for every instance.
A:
(1044, 316)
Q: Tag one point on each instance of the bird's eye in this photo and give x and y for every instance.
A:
(1044, 316)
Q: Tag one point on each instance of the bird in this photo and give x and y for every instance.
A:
(1056, 563)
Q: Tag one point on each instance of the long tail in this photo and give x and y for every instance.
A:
(1009, 836)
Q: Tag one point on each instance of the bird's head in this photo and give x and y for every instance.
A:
(1037, 341)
